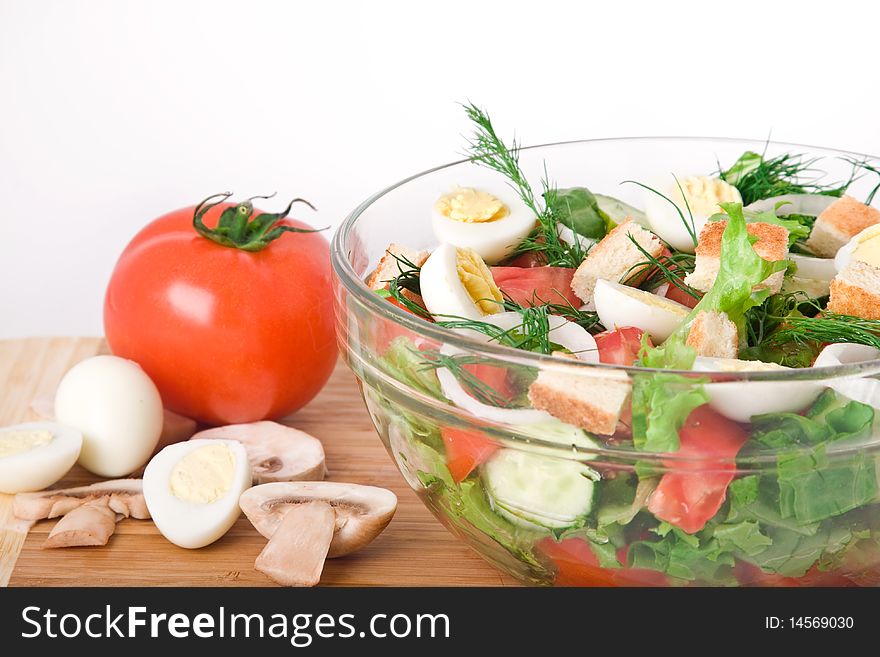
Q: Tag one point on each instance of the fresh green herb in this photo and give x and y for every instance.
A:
(863, 164)
(758, 177)
(487, 149)
(797, 228)
(828, 327)
(577, 208)
(689, 557)
(404, 363)
(814, 486)
(688, 222)
(669, 269)
(586, 319)
(482, 392)
(662, 402)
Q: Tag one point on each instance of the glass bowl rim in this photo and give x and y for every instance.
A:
(355, 285)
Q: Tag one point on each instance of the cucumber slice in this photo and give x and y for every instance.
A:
(536, 490)
(559, 433)
(615, 210)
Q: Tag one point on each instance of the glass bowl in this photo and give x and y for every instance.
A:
(550, 504)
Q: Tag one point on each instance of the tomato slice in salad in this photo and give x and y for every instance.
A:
(465, 450)
(694, 490)
(536, 285)
(620, 346)
(577, 565)
(675, 294)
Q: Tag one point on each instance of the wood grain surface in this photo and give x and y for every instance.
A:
(415, 549)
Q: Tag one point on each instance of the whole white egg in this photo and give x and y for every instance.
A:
(192, 489)
(117, 408)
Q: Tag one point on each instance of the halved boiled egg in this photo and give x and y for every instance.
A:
(35, 455)
(492, 224)
(620, 305)
(192, 489)
(456, 282)
(699, 194)
(740, 400)
(863, 247)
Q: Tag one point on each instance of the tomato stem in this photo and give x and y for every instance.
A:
(239, 228)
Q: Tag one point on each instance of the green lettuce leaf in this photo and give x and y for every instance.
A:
(661, 403)
(697, 557)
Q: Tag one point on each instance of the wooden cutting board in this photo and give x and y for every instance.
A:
(415, 549)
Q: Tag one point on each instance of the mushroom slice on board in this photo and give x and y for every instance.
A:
(123, 496)
(307, 522)
(93, 523)
(276, 452)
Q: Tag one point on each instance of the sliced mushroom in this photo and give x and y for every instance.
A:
(122, 496)
(93, 523)
(295, 554)
(276, 452)
(307, 522)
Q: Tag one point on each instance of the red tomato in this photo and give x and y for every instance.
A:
(675, 294)
(494, 377)
(694, 489)
(577, 565)
(465, 450)
(227, 335)
(537, 284)
(620, 346)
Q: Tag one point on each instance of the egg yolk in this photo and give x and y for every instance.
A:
(16, 442)
(867, 248)
(655, 301)
(471, 206)
(204, 475)
(477, 279)
(704, 193)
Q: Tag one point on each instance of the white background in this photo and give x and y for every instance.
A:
(112, 113)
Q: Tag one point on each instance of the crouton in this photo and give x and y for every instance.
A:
(838, 223)
(713, 334)
(389, 267)
(614, 257)
(591, 401)
(772, 245)
(851, 291)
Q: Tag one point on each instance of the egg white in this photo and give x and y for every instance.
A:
(117, 408)
(620, 305)
(42, 466)
(664, 218)
(810, 267)
(493, 240)
(442, 289)
(187, 524)
(741, 400)
(844, 254)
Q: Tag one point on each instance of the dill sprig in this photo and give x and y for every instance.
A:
(758, 177)
(689, 224)
(828, 328)
(487, 149)
(863, 164)
(456, 365)
(407, 280)
(667, 268)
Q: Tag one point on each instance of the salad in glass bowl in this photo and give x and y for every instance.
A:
(630, 362)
